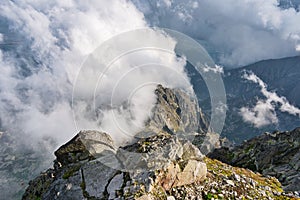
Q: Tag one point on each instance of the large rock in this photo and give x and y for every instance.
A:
(193, 171)
(85, 145)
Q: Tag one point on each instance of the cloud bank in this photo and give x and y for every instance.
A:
(236, 32)
(38, 74)
(54, 39)
(264, 112)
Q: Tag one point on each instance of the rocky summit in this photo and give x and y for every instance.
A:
(161, 163)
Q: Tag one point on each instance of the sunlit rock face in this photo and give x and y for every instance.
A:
(176, 111)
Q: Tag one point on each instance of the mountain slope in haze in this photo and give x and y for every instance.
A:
(281, 76)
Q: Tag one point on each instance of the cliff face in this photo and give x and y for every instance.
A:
(274, 154)
(162, 163)
(176, 111)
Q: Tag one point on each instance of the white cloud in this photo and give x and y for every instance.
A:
(216, 69)
(241, 32)
(264, 112)
(57, 36)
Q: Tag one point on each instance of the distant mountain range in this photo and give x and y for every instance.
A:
(281, 76)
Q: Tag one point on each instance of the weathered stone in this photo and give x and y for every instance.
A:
(193, 171)
(161, 152)
(190, 151)
(229, 182)
(170, 176)
(85, 145)
(64, 189)
(145, 197)
(115, 185)
(96, 178)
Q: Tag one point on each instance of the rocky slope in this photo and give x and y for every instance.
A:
(183, 173)
(274, 154)
(162, 163)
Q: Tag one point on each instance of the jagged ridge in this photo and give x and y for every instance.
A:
(161, 164)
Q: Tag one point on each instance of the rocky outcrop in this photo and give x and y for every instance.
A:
(78, 174)
(161, 164)
(274, 154)
(91, 165)
(176, 111)
(185, 174)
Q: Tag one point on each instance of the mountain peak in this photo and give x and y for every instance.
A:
(159, 164)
